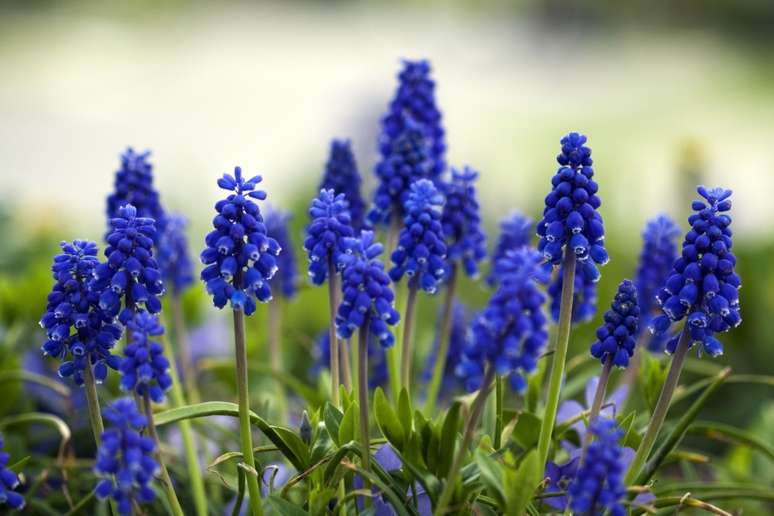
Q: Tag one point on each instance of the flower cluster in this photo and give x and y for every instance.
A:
(377, 359)
(511, 332)
(616, 336)
(461, 221)
(415, 97)
(130, 273)
(8, 482)
(598, 486)
(368, 299)
(325, 236)
(341, 176)
(408, 161)
(703, 285)
(659, 252)
(286, 278)
(421, 249)
(134, 185)
(125, 459)
(570, 217)
(584, 297)
(240, 257)
(515, 232)
(173, 257)
(458, 335)
(77, 328)
(145, 368)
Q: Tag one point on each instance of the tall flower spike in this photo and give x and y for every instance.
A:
(598, 487)
(616, 336)
(408, 161)
(458, 331)
(134, 185)
(341, 176)
(131, 273)
(325, 236)
(421, 249)
(286, 278)
(584, 297)
(240, 257)
(8, 482)
(570, 217)
(703, 286)
(125, 460)
(367, 295)
(416, 97)
(659, 252)
(461, 221)
(173, 257)
(516, 231)
(78, 330)
(145, 368)
(510, 332)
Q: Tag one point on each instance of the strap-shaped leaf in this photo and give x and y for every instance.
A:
(387, 420)
(332, 417)
(520, 484)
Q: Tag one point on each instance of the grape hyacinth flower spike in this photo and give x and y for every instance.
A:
(516, 231)
(571, 235)
(420, 255)
(703, 289)
(133, 185)
(8, 482)
(145, 369)
(341, 175)
(173, 257)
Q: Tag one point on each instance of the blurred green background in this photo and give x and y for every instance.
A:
(671, 95)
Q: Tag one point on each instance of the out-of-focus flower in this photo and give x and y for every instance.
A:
(134, 185)
(341, 176)
(173, 257)
(615, 337)
(516, 231)
(560, 477)
(286, 278)
(8, 482)
(461, 221)
(145, 368)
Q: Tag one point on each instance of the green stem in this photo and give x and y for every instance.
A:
(596, 405)
(392, 352)
(275, 354)
(560, 356)
(662, 407)
(332, 337)
(408, 337)
(443, 345)
(245, 434)
(165, 478)
(475, 414)
(92, 400)
(183, 350)
(498, 433)
(362, 382)
(346, 367)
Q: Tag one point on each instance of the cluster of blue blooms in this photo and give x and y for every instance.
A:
(341, 176)
(8, 482)
(172, 255)
(125, 459)
(240, 257)
(286, 279)
(421, 249)
(516, 231)
(703, 285)
(78, 330)
(134, 185)
(326, 234)
(461, 221)
(616, 336)
(144, 367)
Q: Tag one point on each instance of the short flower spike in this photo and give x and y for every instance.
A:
(461, 221)
(145, 368)
(616, 337)
(173, 257)
(342, 176)
(516, 231)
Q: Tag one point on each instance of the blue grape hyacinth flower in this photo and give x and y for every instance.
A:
(516, 231)
(341, 175)
(598, 487)
(570, 218)
(510, 332)
(286, 279)
(616, 336)
(131, 274)
(368, 299)
(125, 458)
(703, 287)
(144, 367)
(79, 331)
(415, 97)
(325, 236)
(461, 221)
(584, 297)
(134, 185)
(659, 252)
(240, 258)
(173, 257)
(8, 482)
(421, 250)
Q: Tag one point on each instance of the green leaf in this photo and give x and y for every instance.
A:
(651, 377)
(725, 432)
(349, 424)
(492, 475)
(17, 466)
(281, 506)
(520, 484)
(322, 445)
(333, 417)
(534, 384)
(404, 412)
(21, 375)
(448, 441)
(44, 418)
(294, 442)
(631, 438)
(387, 420)
(527, 430)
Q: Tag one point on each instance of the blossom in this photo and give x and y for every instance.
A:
(8, 482)
(326, 234)
(510, 332)
(134, 185)
(377, 359)
(461, 221)
(239, 256)
(570, 217)
(421, 249)
(458, 331)
(598, 486)
(173, 257)
(131, 273)
(341, 176)
(616, 336)
(145, 368)
(559, 478)
(515, 232)
(584, 297)
(368, 299)
(78, 330)
(703, 286)
(287, 271)
(125, 459)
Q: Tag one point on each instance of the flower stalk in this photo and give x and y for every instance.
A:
(596, 404)
(275, 353)
(333, 339)
(174, 503)
(92, 400)
(407, 348)
(183, 350)
(362, 382)
(443, 344)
